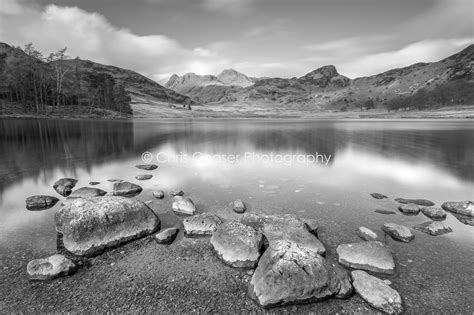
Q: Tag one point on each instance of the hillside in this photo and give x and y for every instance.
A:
(326, 89)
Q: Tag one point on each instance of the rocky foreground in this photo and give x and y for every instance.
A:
(279, 257)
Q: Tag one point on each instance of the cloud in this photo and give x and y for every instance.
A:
(422, 51)
(91, 36)
(233, 7)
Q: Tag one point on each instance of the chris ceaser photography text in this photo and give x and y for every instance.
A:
(254, 157)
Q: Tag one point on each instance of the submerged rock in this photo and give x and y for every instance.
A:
(159, 194)
(371, 255)
(311, 225)
(420, 202)
(238, 206)
(378, 196)
(460, 207)
(381, 211)
(366, 234)
(147, 167)
(464, 219)
(115, 180)
(144, 177)
(398, 232)
(290, 274)
(94, 183)
(376, 292)
(434, 213)
(40, 202)
(64, 186)
(89, 226)
(87, 192)
(126, 189)
(166, 236)
(51, 267)
(201, 225)
(433, 228)
(237, 244)
(287, 227)
(183, 205)
(409, 209)
(177, 193)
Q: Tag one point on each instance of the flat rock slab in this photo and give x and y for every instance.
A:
(143, 177)
(40, 202)
(64, 186)
(378, 196)
(87, 192)
(183, 205)
(166, 236)
(433, 228)
(376, 292)
(159, 194)
(51, 267)
(287, 227)
(237, 244)
(381, 211)
(420, 202)
(367, 234)
(435, 213)
(238, 206)
(409, 209)
(371, 255)
(126, 189)
(89, 226)
(398, 232)
(460, 207)
(290, 274)
(147, 167)
(201, 225)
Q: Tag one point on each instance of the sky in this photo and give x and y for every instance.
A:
(274, 38)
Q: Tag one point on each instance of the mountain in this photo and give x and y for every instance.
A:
(324, 88)
(189, 81)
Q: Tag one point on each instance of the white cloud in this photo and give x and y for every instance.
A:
(234, 7)
(422, 51)
(91, 36)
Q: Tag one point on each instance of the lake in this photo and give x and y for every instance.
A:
(324, 170)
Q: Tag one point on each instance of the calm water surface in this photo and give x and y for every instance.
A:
(413, 159)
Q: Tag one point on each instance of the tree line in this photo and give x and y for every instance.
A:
(46, 84)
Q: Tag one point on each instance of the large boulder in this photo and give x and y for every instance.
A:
(287, 227)
(371, 255)
(201, 225)
(290, 274)
(51, 267)
(376, 292)
(237, 244)
(183, 205)
(126, 189)
(433, 228)
(420, 202)
(398, 232)
(40, 202)
(89, 226)
(434, 213)
(460, 207)
(64, 186)
(87, 192)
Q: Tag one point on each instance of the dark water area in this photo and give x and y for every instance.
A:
(217, 161)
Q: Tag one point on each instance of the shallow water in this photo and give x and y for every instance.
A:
(274, 172)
